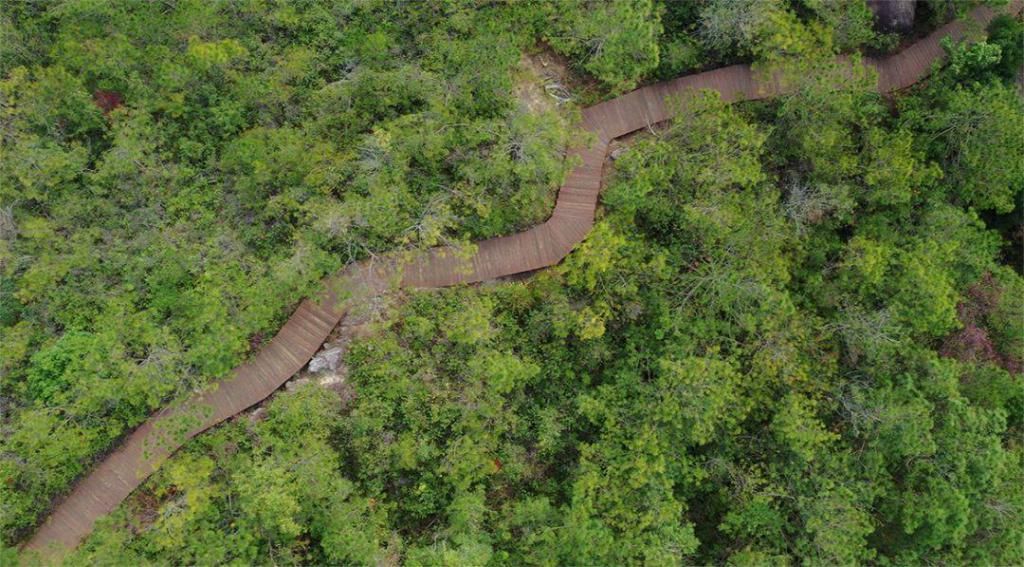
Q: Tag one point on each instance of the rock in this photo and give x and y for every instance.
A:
(616, 153)
(339, 385)
(330, 379)
(326, 360)
(893, 15)
(259, 414)
(295, 383)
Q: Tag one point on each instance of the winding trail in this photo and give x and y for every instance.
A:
(139, 455)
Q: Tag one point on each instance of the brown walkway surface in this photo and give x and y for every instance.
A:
(110, 482)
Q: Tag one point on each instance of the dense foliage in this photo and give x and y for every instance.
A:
(175, 176)
(791, 338)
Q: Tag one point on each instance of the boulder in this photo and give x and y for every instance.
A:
(893, 15)
(327, 360)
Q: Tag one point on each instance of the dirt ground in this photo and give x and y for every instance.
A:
(543, 81)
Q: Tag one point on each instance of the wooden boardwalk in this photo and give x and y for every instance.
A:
(114, 478)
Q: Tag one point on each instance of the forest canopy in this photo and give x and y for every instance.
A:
(795, 334)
